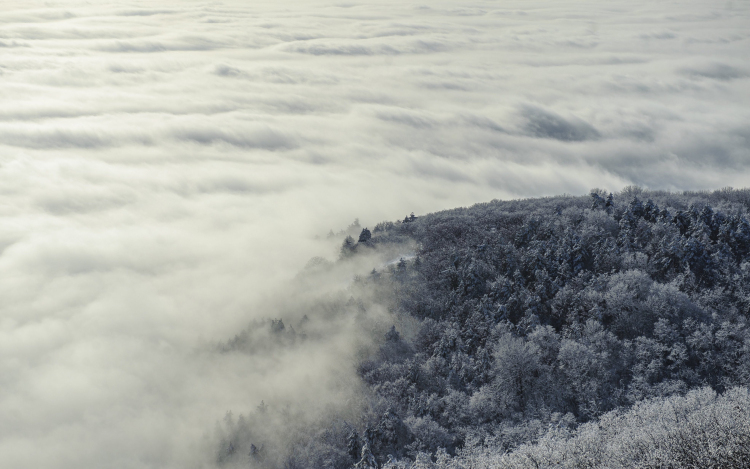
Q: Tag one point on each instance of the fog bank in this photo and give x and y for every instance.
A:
(166, 165)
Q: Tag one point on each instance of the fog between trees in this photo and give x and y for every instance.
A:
(568, 331)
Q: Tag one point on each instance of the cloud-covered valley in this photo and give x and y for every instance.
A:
(166, 165)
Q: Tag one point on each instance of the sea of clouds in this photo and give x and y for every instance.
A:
(166, 165)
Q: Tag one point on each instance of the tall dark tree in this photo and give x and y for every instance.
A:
(364, 236)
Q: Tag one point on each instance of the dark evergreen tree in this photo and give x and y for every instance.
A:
(365, 236)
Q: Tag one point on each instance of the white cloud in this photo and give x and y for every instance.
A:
(165, 164)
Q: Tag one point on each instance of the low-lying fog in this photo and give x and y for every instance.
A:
(166, 165)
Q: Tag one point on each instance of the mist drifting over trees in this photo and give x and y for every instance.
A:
(597, 331)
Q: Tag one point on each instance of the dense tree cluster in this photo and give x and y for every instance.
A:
(543, 314)
(697, 431)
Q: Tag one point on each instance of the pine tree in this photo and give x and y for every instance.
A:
(348, 248)
(365, 236)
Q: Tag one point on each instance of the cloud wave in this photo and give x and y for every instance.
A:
(165, 166)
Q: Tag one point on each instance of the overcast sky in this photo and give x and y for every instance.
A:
(164, 166)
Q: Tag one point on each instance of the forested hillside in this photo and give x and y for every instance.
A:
(597, 331)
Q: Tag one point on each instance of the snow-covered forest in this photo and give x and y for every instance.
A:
(609, 330)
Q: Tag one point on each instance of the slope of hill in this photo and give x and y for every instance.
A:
(541, 332)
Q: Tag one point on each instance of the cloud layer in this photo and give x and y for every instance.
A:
(165, 165)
